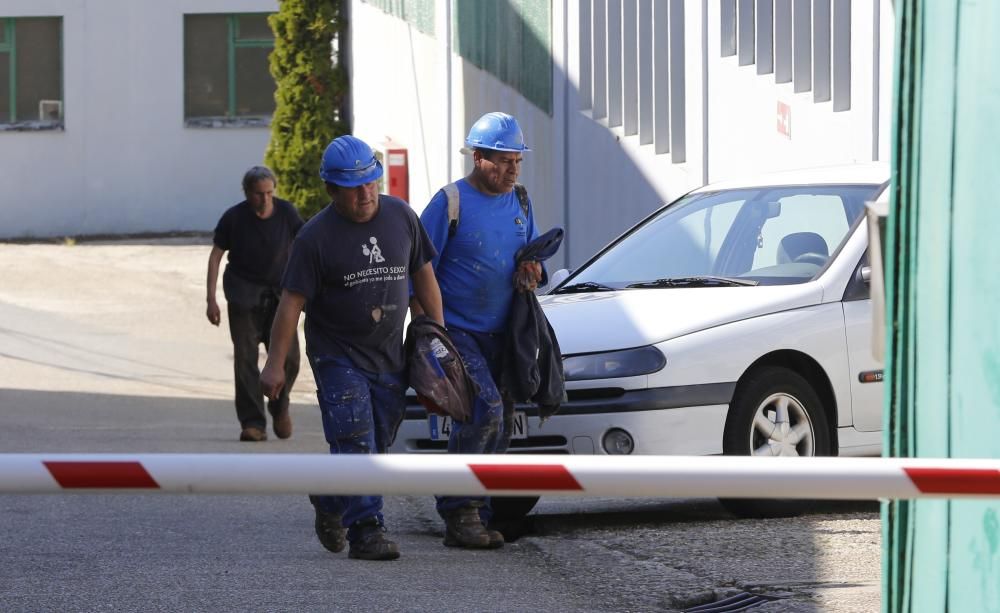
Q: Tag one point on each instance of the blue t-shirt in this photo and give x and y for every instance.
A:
(355, 277)
(475, 267)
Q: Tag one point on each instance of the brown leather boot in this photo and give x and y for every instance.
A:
(282, 424)
(253, 434)
(463, 528)
(496, 538)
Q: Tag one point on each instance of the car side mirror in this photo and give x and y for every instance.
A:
(866, 274)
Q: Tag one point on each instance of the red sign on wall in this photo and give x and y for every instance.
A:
(784, 119)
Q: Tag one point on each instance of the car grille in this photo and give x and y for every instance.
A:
(595, 393)
(526, 445)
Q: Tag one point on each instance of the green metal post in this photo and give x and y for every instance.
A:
(942, 295)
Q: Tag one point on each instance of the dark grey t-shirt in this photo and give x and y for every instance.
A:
(355, 278)
(258, 248)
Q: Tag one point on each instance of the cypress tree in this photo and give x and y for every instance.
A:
(311, 91)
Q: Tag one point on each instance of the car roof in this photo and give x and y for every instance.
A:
(867, 173)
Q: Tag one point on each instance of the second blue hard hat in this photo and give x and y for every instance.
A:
(349, 162)
(496, 131)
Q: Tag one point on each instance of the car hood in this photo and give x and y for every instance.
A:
(606, 321)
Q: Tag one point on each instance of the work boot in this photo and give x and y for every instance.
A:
(370, 542)
(330, 530)
(253, 434)
(463, 528)
(282, 423)
(496, 538)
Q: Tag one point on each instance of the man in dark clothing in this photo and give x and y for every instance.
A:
(258, 235)
(350, 269)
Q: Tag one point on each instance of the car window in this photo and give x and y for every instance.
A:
(805, 223)
(684, 244)
(711, 225)
(771, 235)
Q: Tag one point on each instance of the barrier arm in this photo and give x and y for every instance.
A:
(510, 475)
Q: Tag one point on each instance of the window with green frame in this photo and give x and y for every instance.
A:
(31, 72)
(226, 70)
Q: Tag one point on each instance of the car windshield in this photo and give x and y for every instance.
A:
(741, 237)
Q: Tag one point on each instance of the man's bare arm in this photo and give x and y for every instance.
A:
(285, 327)
(427, 294)
(212, 310)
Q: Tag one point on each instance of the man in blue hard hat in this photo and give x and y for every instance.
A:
(477, 224)
(350, 269)
(258, 234)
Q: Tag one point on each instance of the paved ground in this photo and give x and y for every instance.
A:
(105, 348)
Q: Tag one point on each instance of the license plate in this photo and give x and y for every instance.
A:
(440, 426)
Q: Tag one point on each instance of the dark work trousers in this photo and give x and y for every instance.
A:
(361, 412)
(489, 429)
(248, 329)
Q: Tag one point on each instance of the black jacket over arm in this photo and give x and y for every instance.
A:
(533, 367)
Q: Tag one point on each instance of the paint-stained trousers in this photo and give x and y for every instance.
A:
(492, 421)
(361, 413)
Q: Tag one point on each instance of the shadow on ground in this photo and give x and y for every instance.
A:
(77, 422)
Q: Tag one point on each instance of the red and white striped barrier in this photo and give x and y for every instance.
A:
(513, 475)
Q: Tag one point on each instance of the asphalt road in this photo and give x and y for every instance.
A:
(105, 348)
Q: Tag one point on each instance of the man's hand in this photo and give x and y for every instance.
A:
(272, 379)
(527, 276)
(213, 313)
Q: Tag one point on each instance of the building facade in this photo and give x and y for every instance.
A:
(139, 116)
(129, 116)
(626, 104)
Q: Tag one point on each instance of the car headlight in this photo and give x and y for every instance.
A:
(613, 364)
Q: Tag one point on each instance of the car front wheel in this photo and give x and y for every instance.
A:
(775, 412)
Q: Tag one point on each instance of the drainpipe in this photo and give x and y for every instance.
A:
(876, 64)
(565, 152)
(704, 92)
(449, 154)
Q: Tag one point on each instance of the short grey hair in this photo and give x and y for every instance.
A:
(258, 173)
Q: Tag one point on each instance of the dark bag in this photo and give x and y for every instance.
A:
(436, 370)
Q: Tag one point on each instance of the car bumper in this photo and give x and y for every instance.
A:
(685, 420)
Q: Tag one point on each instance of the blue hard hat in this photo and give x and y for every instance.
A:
(496, 131)
(349, 162)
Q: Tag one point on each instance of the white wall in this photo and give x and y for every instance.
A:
(743, 135)
(424, 97)
(613, 181)
(398, 88)
(583, 174)
(125, 162)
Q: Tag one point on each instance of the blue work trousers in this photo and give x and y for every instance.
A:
(492, 421)
(361, 412)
